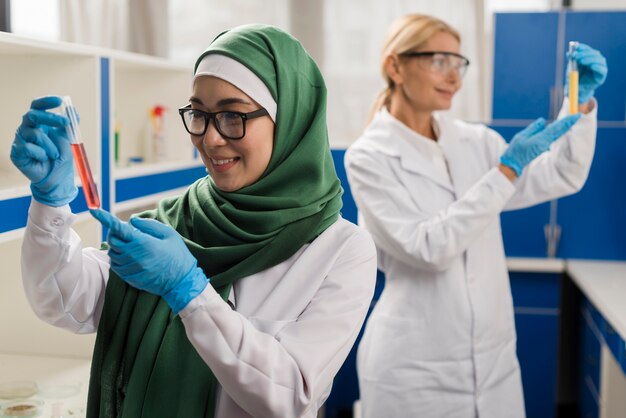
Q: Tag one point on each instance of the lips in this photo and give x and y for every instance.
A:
(221, 164)
(445, 92)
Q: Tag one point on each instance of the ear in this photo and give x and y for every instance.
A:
(393, 68)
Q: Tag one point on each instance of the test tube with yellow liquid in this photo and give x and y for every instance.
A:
(80, 156)
(572, 73)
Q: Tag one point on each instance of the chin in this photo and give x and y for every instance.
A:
(445, 105)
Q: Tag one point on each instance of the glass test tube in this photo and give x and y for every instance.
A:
(80, 156)
(572, 72)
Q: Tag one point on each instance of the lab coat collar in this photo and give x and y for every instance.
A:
(388, 135)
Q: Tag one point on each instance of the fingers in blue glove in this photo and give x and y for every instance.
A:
(46, 102)
(61, 141)
(537, 126)
(24, 149)
(559, 127)
(39, 138)
(116, 226)
(152, 227)
(591, 58)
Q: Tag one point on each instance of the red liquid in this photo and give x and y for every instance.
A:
(84, 171)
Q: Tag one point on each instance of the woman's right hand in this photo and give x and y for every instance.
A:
(41, 151)
(534, 140)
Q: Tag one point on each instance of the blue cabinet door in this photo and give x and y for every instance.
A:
(524, 64)
(605, 31)
(590, 352)
(592, 220)
(536, 298)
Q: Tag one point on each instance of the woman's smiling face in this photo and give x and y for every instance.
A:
(232, 164)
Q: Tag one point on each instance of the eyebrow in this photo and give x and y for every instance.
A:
(223, 102)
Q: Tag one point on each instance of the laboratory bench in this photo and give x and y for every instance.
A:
(571, 323)
(55, 382)
(601, 338)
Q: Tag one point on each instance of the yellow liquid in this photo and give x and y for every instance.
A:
(573, 92)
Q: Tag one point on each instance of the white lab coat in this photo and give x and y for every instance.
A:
(441, 339)
(274, 355)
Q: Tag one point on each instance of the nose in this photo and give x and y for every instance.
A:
(212, 138)
(454, 76)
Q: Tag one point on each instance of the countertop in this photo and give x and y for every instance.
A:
(604, 284)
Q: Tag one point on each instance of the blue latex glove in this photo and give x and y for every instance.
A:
(41, 151)
(152, 256)
(535, 139)
(592, 70)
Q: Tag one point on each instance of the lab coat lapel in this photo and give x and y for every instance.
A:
(393, 138)
(453, 143)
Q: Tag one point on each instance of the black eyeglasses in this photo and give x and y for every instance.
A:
(231, 125)
(440, 62)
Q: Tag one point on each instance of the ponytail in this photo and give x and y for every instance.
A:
(382, 99)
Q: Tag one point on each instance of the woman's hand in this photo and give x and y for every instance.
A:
(592, 71)
(41, 151)
(152, 256)
(534, 140)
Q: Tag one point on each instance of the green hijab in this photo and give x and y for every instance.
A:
(143, 363)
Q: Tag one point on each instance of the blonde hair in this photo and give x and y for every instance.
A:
(405, 34)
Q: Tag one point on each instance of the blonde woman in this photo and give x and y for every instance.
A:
(441, 340)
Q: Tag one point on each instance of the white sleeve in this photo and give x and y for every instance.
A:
(64, 283)
(287, 374)
(563, 169)
(422, 240)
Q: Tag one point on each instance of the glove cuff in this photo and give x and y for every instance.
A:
(186, 290)
(512, 165)
(56, 197)
(584, 96)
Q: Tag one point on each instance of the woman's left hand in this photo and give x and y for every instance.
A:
(152, 256)
(592, 70)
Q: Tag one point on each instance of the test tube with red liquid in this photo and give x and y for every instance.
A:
(80, 156)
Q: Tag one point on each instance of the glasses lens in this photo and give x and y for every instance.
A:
(195, 121)
(442, 63)
(230, 124)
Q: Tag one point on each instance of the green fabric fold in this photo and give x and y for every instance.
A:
(143, 363)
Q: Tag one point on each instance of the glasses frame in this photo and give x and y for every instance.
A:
(417, 54)
(213, 115)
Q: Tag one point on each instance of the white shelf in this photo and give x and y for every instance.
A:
(155, 168)
(137, 85)
(145, 202)
(33, 69)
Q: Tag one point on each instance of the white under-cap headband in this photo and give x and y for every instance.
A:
(240, 76)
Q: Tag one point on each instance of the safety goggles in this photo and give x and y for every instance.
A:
(229, 124)
(439, 62)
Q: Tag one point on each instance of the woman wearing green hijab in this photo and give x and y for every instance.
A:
(243, 296)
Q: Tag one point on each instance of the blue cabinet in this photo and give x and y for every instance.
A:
(589, 362)
(605, 31)
(529, 63)
(536, 299)
(524, 64)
